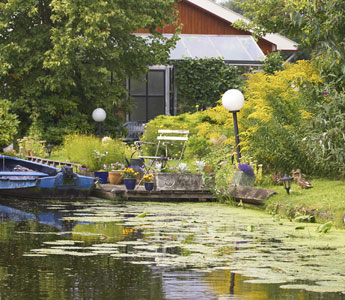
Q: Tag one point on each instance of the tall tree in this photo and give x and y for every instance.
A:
(318, 24)
(61, 59)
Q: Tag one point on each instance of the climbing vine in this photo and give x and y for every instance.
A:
(201, 82)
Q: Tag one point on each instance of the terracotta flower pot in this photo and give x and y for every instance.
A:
(115, 177)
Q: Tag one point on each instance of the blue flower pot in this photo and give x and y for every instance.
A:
(148, 186)
(130, 183)
(102, 177)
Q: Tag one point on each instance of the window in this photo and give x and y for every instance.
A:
(147, 94)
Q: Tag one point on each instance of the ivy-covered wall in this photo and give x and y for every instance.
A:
(201, 82)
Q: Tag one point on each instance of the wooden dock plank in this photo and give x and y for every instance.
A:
(109, 191)
(249, 195)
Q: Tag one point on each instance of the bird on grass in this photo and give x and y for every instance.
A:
(303, 182)
(276, 177)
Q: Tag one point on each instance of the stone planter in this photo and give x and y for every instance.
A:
(115, 177)
(178, 181)
(241, 178)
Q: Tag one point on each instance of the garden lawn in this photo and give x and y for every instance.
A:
(325, 201)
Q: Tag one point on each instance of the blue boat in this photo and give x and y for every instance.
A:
(26, 179)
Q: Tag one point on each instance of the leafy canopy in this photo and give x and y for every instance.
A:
(8, 124)
(317, 24)
(59, 60)
(201, 81)
(274, 119)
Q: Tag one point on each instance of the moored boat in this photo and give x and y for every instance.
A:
(26, 179)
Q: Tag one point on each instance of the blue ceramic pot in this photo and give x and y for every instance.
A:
(103, 176)
(148, 186)
(130, 183)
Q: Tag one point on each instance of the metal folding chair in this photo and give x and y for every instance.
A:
(133, 131)
(165, 139)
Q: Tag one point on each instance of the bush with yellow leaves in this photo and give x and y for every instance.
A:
(274, 119)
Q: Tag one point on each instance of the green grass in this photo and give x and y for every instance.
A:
(325, 200)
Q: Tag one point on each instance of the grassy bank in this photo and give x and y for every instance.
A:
(325, 201)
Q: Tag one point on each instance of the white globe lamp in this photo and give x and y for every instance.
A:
(99, 116)
(233, 101)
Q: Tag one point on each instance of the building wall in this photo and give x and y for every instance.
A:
(198, 21)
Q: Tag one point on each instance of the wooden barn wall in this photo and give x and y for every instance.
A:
(198, 21)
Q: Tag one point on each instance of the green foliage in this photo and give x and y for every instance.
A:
(59, 60)
(31, 145)
(81, 149)
(272, 63)
(325, 141)
(205, 128)
(8, 124)
(274, 120)
(324, 228)
(202, 81)
(319, 25)
(198, 146)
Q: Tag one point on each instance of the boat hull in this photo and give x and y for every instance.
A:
(46, 193)
(37, 184)
(51, 187)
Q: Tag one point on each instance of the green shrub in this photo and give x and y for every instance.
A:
(274, 119)
(197, 146)
(205, 128)
(273, 62)
(8, 124)
(325, 140)
(82, 149)
(202, 81)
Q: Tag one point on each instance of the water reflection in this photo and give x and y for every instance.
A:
(102, 250)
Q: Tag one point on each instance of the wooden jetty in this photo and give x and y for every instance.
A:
(248, 195)
(53, 163)
(119, 192)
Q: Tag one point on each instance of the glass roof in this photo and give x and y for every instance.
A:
(235, 49)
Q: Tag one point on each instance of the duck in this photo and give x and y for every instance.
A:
(301, 181)
(276, 177)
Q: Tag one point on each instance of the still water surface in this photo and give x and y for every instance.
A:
(104, 250)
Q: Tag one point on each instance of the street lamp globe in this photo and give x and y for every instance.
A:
(233, 100)
(99, 115)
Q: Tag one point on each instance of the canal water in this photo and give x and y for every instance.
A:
(100, 249)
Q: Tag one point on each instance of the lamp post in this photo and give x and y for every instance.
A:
(99, 116)
(233, 101)
(286, 179)
(49, 149)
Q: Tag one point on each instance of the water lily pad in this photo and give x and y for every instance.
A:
(34, 255)
(265, 281)
(315, 288)
(62, 242)
(132, 243)
(143, 262)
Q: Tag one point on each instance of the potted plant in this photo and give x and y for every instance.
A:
(115, 172)
(244, 175)
(148, 181)
(101, 174)
(130, 175)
